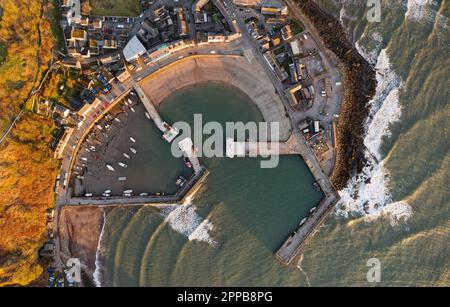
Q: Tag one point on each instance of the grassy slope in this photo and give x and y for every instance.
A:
(115, 7)
(26, 168)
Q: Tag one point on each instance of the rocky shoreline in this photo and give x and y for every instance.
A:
(359, 80)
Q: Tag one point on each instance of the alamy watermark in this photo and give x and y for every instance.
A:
(374, 273)
(73, 273)
(234, 139)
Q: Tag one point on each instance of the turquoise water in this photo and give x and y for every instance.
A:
(236, 222)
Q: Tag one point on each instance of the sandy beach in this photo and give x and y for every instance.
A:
(250, 78)
(79, 233)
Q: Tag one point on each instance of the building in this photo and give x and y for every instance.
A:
(78, 35)
(122, 75)
(109, 44)
(199, 4)
(71, 10)
(286, 32)
(182, 25)
(248, 3)
(274, 7)
(134, 49)
(295, 47)
(165, 50)
(293, 71)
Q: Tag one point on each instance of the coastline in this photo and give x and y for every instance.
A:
(79, 234)
(359, 80)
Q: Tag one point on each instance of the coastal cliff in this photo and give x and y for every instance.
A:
(359, 80)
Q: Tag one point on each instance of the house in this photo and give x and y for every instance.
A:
(71, 11)
(79, 35)
(273, 7)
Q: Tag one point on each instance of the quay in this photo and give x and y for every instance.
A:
(296, 241)
(192, 185)
(296, 145)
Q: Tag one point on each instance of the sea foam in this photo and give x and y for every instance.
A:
(98, 273)
(185, 220)
(367, 193)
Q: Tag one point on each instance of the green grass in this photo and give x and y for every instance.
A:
(296, 27)
(3, 52)
(115, 7)
(56, 27)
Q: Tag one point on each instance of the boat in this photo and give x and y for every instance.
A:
(133, 140)
(133, 150)
(129, 101)
(108, 192)
(84, 159)
(106, 195)
(143, 194)
(133, 110)
(312, 210)
(122, 178)
(187, 162)
(109, 167)
(126, 156)
(181, 181)
(88, 195)
(303, 221)
(148, 115)
(117, 120)
(122, 165)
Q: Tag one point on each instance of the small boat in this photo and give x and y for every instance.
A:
(128, 193)
(148, 115)
(88, 195)
(133, 150)
(122, 165)
(129, 101)
(187, 163)
(117, 120)
(126, 156)
(132, 93)
(181, 181)
(122, 178)
(84, 159)
(312, 210)
(106, 195)
(133, 110)
(303, 221)
(143, 194)
(99, 127)
(132, 139)
(109, 167)
(108, 192)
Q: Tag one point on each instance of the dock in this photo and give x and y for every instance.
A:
(187, 148)
(189, 189)
(295, 145)
(169, 133)
(255, 149)
(296, 241)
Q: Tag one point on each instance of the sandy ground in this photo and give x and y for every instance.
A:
(79, 232)
(250, 78)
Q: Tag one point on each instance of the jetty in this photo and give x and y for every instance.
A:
(169, 133)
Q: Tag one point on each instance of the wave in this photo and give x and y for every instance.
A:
(185, 220)
(99, 256)
(367, 193)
